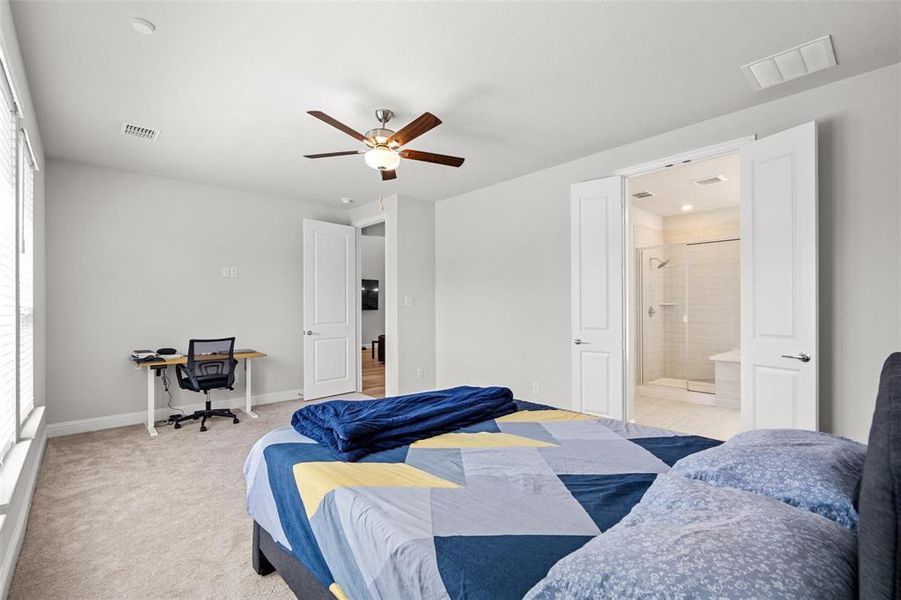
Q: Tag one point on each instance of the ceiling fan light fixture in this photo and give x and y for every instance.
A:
(382, 158)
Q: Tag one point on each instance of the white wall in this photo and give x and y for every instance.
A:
(502, 252)
(20, 472)
(410, 293)
(135, 261)
(372, 257)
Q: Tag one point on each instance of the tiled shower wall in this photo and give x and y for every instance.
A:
(714, 305)
(703, 284)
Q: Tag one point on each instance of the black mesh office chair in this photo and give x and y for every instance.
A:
(211, 366)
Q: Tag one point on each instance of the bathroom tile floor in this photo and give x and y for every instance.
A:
(685, 417)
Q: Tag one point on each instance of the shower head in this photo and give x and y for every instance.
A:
(660, 263)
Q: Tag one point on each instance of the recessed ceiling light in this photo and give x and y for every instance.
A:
(710, 180)
(347, 200)
(687, 207)
(142, 26)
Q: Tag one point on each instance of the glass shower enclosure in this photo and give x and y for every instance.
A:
(688, 308)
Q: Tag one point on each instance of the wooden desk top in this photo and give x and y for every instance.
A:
(181, 360)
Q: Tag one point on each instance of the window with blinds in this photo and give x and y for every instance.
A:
(26, 277)
(8, 261)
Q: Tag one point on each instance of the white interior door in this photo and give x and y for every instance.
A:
(779, 280)
(330, 289)
(597, 297)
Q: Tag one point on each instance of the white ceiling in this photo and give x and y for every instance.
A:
(674, 188)
(520, 86)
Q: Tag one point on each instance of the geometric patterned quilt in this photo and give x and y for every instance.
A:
(483, 512)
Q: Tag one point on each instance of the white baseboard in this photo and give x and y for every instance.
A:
(138, 417)
(10, 554)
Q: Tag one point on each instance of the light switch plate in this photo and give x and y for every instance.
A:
(408, 301)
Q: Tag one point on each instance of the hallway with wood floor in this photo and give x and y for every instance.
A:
(373, 375)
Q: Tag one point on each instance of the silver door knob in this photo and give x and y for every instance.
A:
(578, 342)
(308, 332)
(802, 356)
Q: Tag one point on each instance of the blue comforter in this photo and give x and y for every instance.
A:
(354, 429)
(480, 513)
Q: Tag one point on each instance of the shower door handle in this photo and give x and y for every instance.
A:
(802, 356)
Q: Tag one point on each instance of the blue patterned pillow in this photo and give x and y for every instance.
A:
(689, 539)
(811, 470)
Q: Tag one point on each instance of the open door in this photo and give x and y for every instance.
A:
(330, 289)
(597, 297)
(779, 280)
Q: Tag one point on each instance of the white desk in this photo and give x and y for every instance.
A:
(151, 367)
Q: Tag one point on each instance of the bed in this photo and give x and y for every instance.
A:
(488, 510)
(448, 515)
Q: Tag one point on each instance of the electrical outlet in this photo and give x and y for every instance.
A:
(408, 301)
(536, 389)
(225, 272)
(418, 373)
(233, 272)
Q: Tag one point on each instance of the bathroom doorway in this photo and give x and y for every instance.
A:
(686, 297)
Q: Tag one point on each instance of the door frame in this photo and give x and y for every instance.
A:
(389, 298)
(698, 154)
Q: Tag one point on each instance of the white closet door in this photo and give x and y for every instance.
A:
(597, 297)
(779, 280)
(330, 289)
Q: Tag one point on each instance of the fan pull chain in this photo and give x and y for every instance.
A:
(381, 197)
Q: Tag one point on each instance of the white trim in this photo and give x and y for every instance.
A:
(11, 554)
(704, 153)
(369, 221)
(360, 224)
(160, 414)
(7, 74)
(34, 160)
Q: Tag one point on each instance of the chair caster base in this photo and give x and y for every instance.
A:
(203, 428)
(176, 426)
(236, 420)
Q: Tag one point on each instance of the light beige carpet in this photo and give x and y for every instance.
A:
(118, 514)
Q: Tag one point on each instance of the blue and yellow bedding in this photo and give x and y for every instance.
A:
(481, 512)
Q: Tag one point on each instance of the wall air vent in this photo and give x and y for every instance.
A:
(643, 195)
(790, 64)
(140, 132)
(710, 180)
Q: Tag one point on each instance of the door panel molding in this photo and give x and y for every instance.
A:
(779, 309)
(597, 269)
(329, 309)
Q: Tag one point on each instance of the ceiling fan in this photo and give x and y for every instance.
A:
(385, 146)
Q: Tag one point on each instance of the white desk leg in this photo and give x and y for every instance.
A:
(151, 405)
(248, 373)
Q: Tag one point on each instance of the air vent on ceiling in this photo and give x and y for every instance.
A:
(643, 195)
(790, 64)
(710, 180)
(142, 133)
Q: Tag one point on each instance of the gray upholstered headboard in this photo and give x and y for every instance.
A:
(880, 493)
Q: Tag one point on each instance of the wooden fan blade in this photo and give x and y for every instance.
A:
(414, 129)
(389, 175)
(438, 159)
(336, 124)
(330, 154)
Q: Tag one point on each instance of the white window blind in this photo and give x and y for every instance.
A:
(8, 249)
(26, 278)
